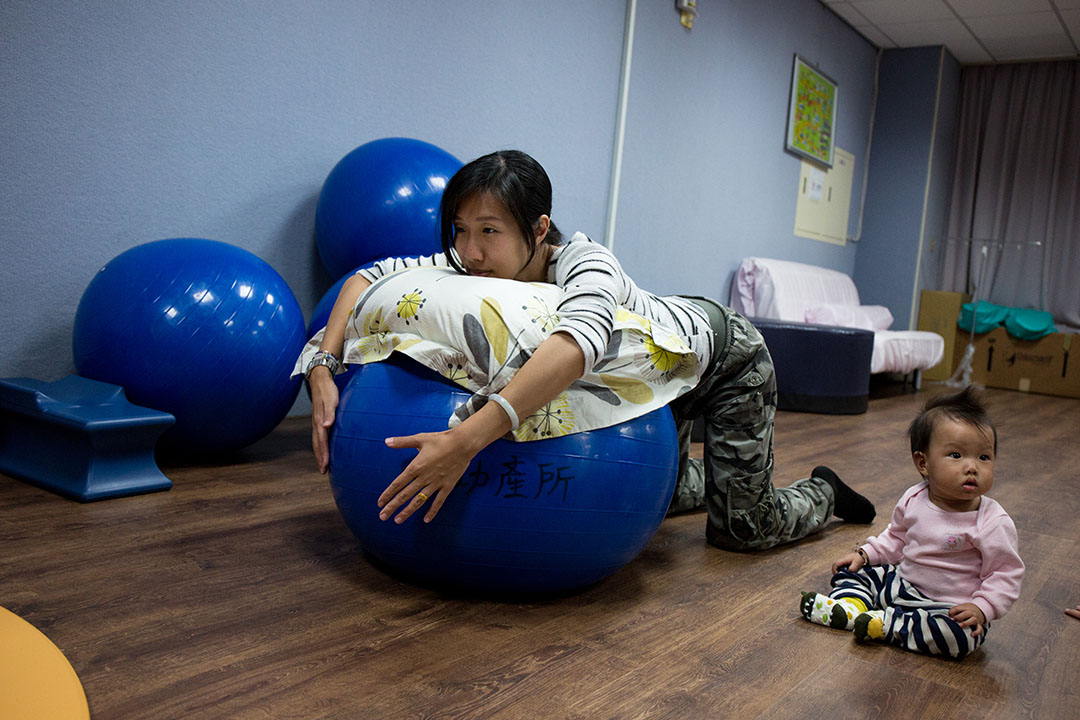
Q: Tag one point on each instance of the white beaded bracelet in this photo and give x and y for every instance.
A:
(506, 406)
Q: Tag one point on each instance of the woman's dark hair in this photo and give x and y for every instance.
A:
(966, 405)
(514, 179)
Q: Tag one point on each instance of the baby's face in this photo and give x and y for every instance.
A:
(958, 465)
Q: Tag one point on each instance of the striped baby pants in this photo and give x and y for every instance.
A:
(912, 620)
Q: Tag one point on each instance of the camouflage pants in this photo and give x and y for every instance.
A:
(737, 400)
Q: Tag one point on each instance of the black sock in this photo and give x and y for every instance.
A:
(850, 506)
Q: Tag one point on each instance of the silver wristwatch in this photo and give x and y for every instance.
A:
(326, 358)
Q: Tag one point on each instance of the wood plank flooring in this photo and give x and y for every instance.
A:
(240, 593)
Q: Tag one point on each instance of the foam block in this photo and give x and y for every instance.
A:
(80, 438)
(819, 368)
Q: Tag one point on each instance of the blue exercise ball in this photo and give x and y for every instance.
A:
(321, 314)
(534, 517)
(198, 328)
(382, 200)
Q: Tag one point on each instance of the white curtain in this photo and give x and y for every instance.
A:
(1013, 234)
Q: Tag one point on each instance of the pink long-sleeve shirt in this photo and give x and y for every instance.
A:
(954, 557)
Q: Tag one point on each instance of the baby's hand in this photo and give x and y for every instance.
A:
(852, 561)
(968, 614)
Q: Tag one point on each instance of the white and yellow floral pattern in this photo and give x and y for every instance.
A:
(477, 332)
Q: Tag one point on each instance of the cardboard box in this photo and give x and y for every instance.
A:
(938, 312)
(1049, 365)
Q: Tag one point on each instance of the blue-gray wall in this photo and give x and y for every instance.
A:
(941, 175)
(129, 121)
(124, 122)
(910, 172)
(706, 179)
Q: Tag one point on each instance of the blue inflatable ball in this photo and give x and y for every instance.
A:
(534, 517)
(382, 200)
(321, 314)
(197, 328)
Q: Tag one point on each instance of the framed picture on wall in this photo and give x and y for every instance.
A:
(811, 113)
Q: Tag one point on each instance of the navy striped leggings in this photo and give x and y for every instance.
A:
(912, 620)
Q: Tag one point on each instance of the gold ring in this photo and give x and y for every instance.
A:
(422, 496)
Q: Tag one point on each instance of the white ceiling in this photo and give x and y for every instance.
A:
(974, 31)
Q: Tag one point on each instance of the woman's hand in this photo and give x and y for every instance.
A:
(968, 614)
(852, 561)
(324, 402)
(432, 474)
(324, 391)
(1073, 612)
(444, 456)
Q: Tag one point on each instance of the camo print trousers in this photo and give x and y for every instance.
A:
(736, 398)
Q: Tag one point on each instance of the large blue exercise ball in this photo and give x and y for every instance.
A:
(533, 517)
(198, 328)
(382, 200)
(321, 314)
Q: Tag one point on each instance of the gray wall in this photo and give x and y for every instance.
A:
(125, 122)
(707, 181)
(910, 172)
(941, 174)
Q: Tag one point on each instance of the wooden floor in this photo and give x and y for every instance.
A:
(241, 594)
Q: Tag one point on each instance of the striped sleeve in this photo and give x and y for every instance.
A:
(389, 265)
(593, 286)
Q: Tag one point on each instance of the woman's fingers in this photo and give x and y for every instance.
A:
(410, 499)
(411, 505)
(393, 494)
(436, 505)
(322, 449)
(320, 441)
(431, 475)
(324, 401)
(390, 499)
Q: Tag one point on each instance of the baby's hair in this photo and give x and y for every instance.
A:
(967, 405)
(513, 178)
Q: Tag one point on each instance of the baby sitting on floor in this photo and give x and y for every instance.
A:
(948, 563)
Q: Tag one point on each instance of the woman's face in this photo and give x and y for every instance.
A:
(489, 242)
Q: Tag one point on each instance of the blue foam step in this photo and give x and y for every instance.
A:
(80, 438)
(819, 368)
